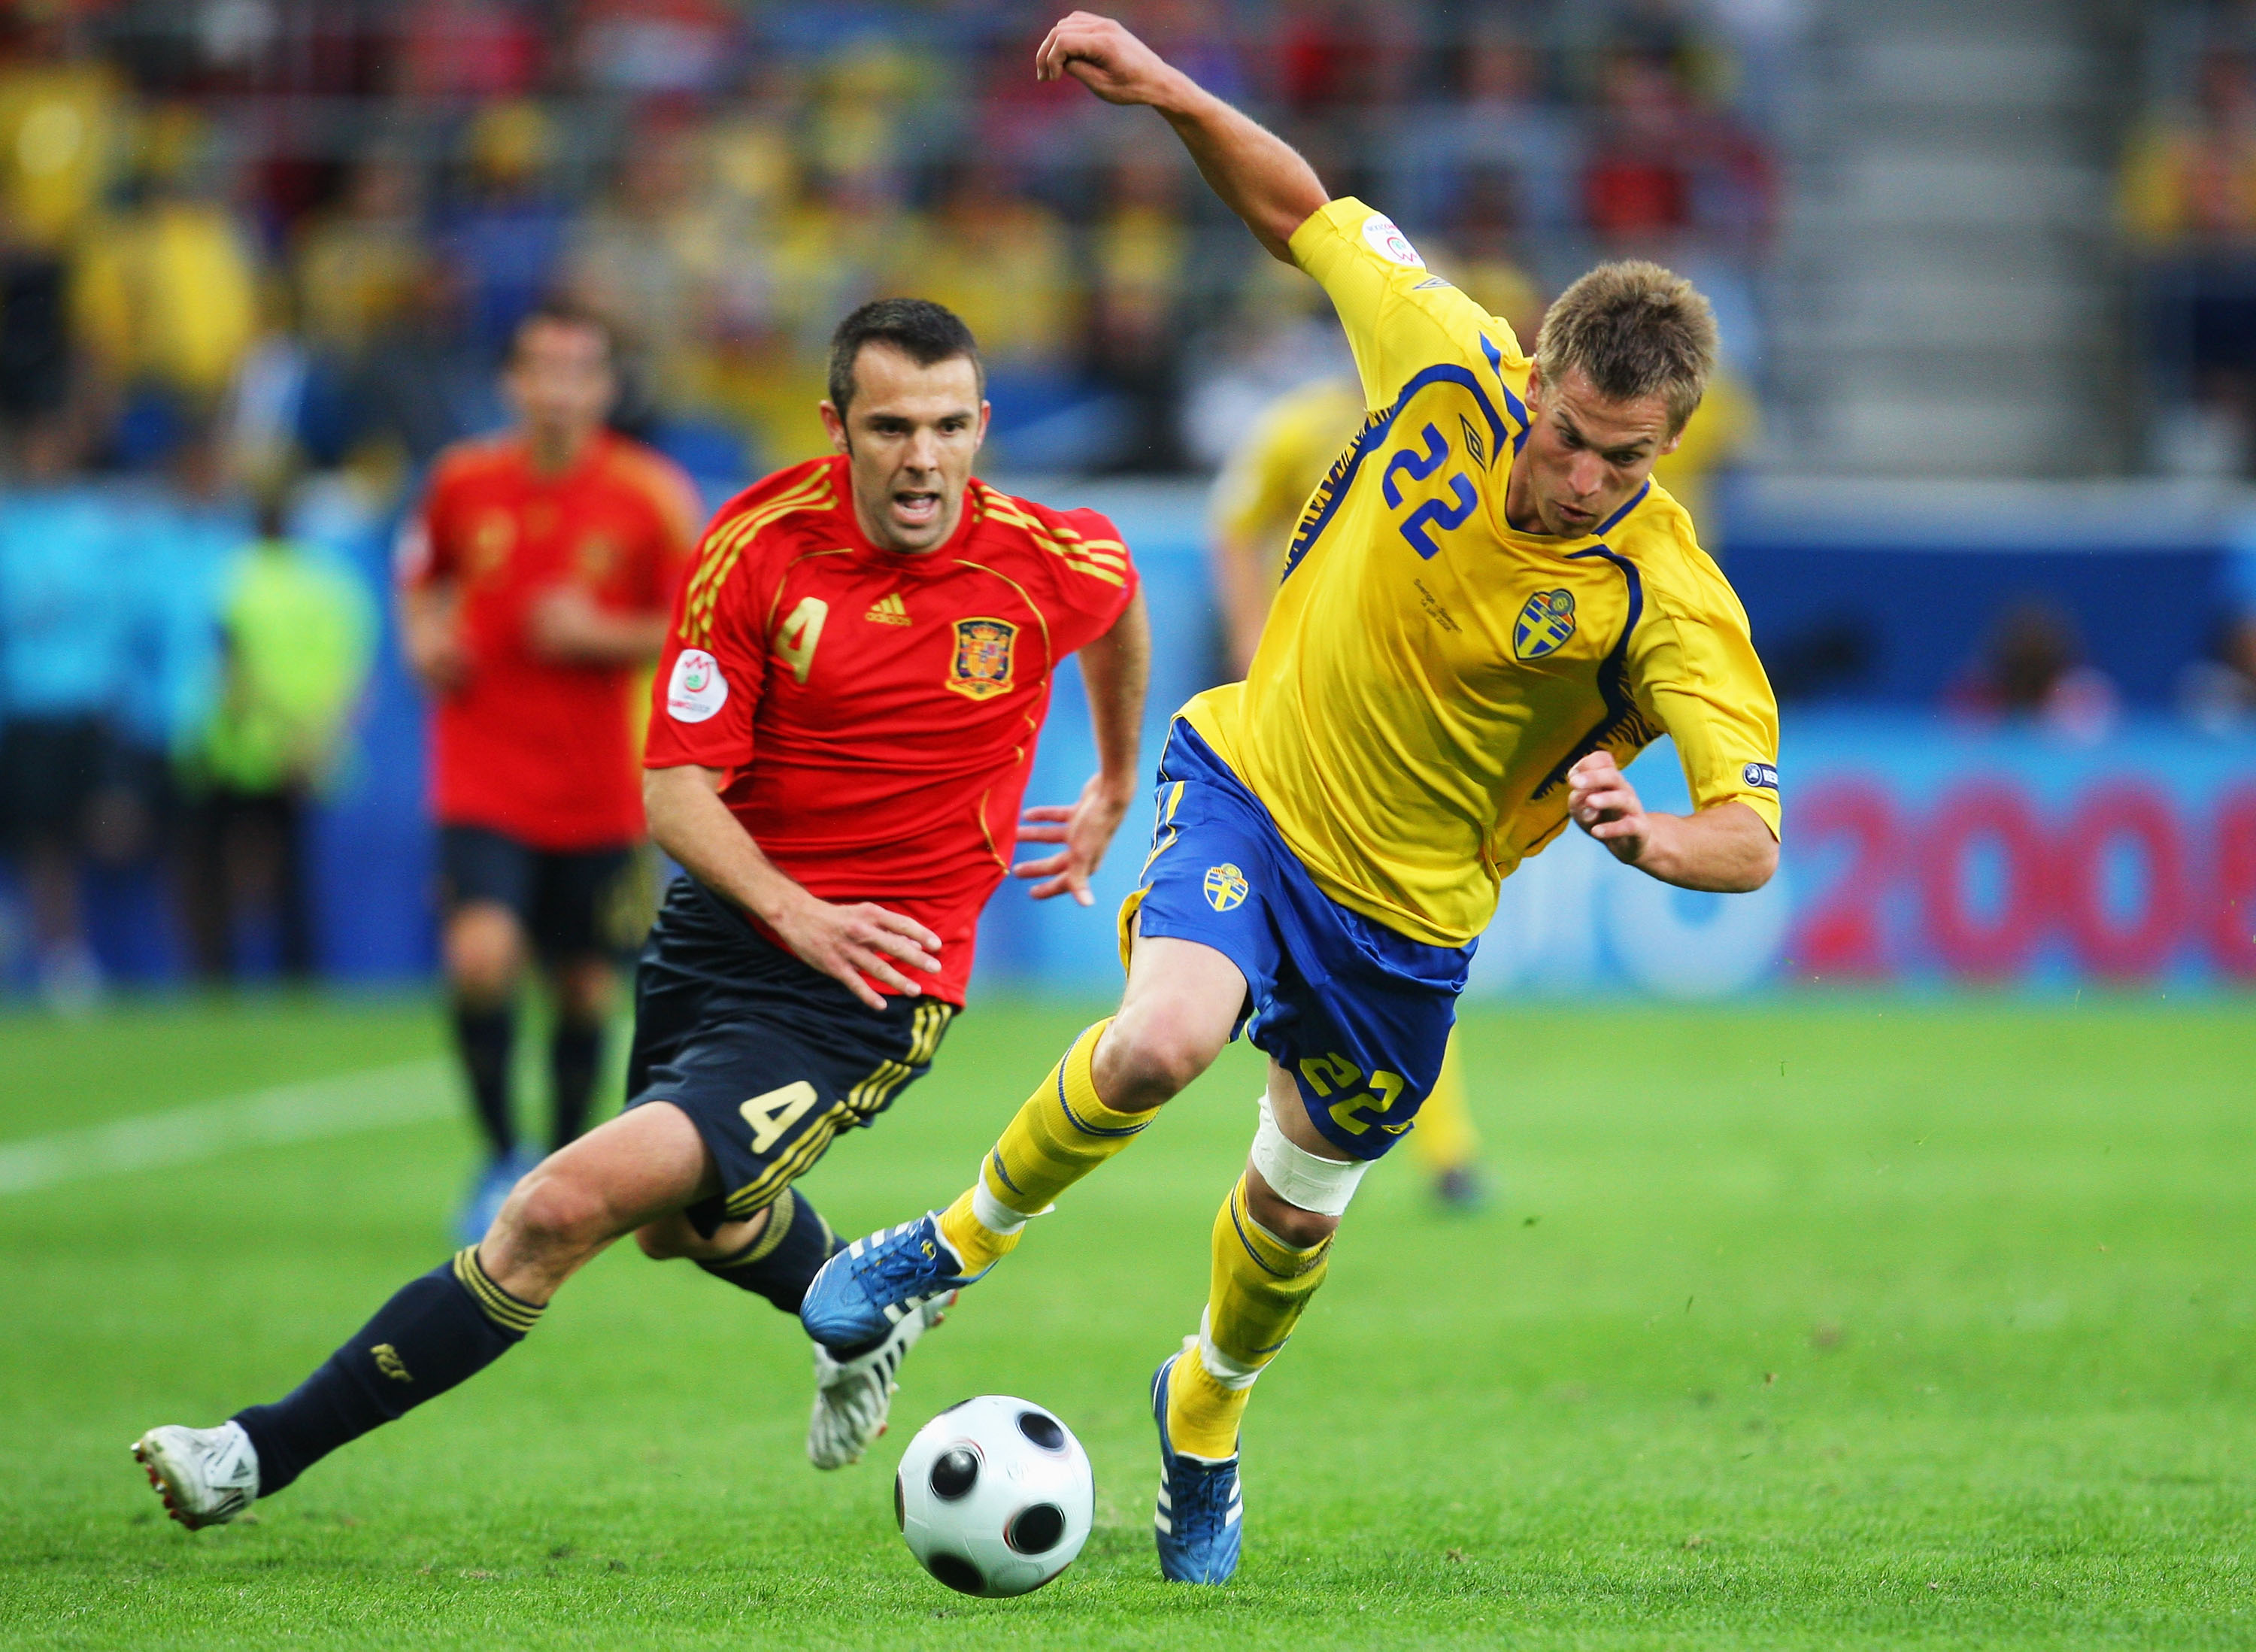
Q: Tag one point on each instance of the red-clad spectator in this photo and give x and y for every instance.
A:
(469, 49)
(1637, 184)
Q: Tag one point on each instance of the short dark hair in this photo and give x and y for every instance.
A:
(1635, 328)
(927, 333)
(564, 312)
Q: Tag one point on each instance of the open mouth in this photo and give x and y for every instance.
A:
(916, 507)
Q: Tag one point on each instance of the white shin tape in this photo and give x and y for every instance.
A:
(991, 1212)
(1300, 1177)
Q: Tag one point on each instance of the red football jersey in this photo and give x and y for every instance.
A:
(542, 752)
(876, 712)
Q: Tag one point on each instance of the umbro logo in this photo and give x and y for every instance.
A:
(889, 610)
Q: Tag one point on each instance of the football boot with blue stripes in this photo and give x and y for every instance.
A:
(1200, 1503)
(875, 1284)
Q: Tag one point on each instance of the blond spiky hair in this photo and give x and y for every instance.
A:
(1634, 329)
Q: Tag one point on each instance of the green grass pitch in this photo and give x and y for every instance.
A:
(1808, 1323)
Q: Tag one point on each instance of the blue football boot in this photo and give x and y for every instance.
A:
(870, 1287)
(1198, 1521)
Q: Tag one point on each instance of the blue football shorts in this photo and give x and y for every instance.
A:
(1358, 1013)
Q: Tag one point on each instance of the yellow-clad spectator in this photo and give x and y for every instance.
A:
(2191, 180)
(1002, 263)
(356, 268)
(1258, 500)
(166, 294)
(63, 130)
(651, 257)
(836, 245)
(1139, 264)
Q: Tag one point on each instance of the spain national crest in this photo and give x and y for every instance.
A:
(983, 658)
(1225, 887)
(1545, 622)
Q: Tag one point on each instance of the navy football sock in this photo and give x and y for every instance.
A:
(485, 1039)
(782, 1262)
(438, 1331)
(575, 1054)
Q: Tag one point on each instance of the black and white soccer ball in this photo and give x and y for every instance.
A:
(994, 1496)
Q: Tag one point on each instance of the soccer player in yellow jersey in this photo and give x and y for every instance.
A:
(1258, 501)
(1487, 608)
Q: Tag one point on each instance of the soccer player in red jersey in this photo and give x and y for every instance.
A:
(534, 585)
(853, 680)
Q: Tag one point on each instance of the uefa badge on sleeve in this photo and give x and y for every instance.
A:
(697, 689)
(1390, 242)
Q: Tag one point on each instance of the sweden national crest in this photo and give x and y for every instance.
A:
(1545, 624)
(1225, 887)
(982, 668)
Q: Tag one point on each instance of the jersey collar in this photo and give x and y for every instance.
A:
(850, 526)
(1567, 546)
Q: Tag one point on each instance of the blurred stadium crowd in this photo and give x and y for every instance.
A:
(2188, 205)
(318, 221)
(259, 258)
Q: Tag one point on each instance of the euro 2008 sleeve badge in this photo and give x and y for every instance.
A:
(981, 668)
(1546, 622)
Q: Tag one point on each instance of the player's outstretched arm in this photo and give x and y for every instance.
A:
(1259, 175)
(568, 626)
(1724, 847)
(1115, 670)
(689, 820)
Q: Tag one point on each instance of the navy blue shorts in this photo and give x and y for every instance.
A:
(573, 902)
(1358, 1013)
(768, 1058)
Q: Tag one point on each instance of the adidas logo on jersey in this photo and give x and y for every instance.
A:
(889, 610)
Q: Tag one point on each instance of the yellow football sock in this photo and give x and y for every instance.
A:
(1258, 1286)
(1062, 1132)
(980, 1246)
(1445, 1138)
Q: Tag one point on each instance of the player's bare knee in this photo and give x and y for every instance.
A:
(555, 1214)
(1150, 1055)
(484, 953)
(585, 990)
(1301, 1229)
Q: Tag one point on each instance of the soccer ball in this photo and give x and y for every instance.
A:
(994, 1496)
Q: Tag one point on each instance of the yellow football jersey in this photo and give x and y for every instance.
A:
(1429, 674)
(1271, 474)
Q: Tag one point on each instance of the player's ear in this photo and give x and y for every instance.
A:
(1534, 396)
(979, 437)
(834, 422)
(1670, 446)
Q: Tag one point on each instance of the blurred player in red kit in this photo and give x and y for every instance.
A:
(534, 584)
(845, 713)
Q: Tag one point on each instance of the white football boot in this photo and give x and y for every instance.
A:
(207, 1476)
(852, 1396)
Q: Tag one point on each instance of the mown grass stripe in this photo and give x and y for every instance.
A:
(370, 1099)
